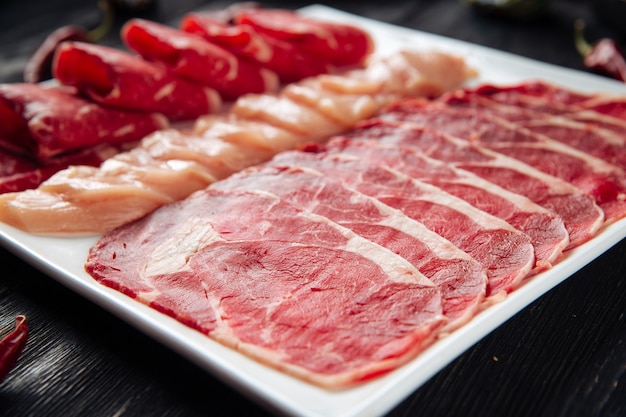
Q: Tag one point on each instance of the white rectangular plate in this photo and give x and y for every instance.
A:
(63, 258)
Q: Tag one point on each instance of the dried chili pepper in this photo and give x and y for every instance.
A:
(39, 66)
(12, 345)
(604, 56)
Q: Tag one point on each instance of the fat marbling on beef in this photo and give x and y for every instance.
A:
(592, 175)
(461, 279)
(581, 215)
(505, 252)
(546, 229)
(343, 262)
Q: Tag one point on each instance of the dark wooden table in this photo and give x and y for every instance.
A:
(564, 355)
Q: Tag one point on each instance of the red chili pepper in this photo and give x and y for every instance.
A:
(11, 346)
(39, 66)
(604, 55)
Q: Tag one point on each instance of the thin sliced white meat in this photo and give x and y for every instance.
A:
(286, 287)
(461, 279)
(407, 73)
(343, 108)
(250, 133)
(217, 156)
(285, 113)
(102, 206)
(506, 253)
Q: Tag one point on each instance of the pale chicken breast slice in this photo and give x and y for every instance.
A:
(407, 73)
(285, 113)
(90, 206)
(246, 132)
(345, 109)
(218, 156)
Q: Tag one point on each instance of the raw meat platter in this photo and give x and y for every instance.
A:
(63, 258)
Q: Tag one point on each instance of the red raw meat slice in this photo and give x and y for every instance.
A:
(461, 279)
(18, 173)
(545, 91)
(14, 132)
(506, 253)
(611, 106)
(580, 214)
(339, 44)
(606, 183)
(598, 142)
(519, 106)
(547, 230)
(598, 135)
(289, 288)
(192, 57)
(44, 122)
(115, 78)
(284, 58)
(553, 98)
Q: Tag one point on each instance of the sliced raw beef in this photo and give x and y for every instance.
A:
(44, 122)
(192, 57)
(539, 100)
(605, 104)
(548, 97)
(585, 131)
(516, 103)
(505, 252)
(338, 44)
(581, 215)
(19, 173)
(547, 230)
(281, 57)
(599, 142)
(286, 287)
(461, 279)
(606, 183)
(115, 78)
